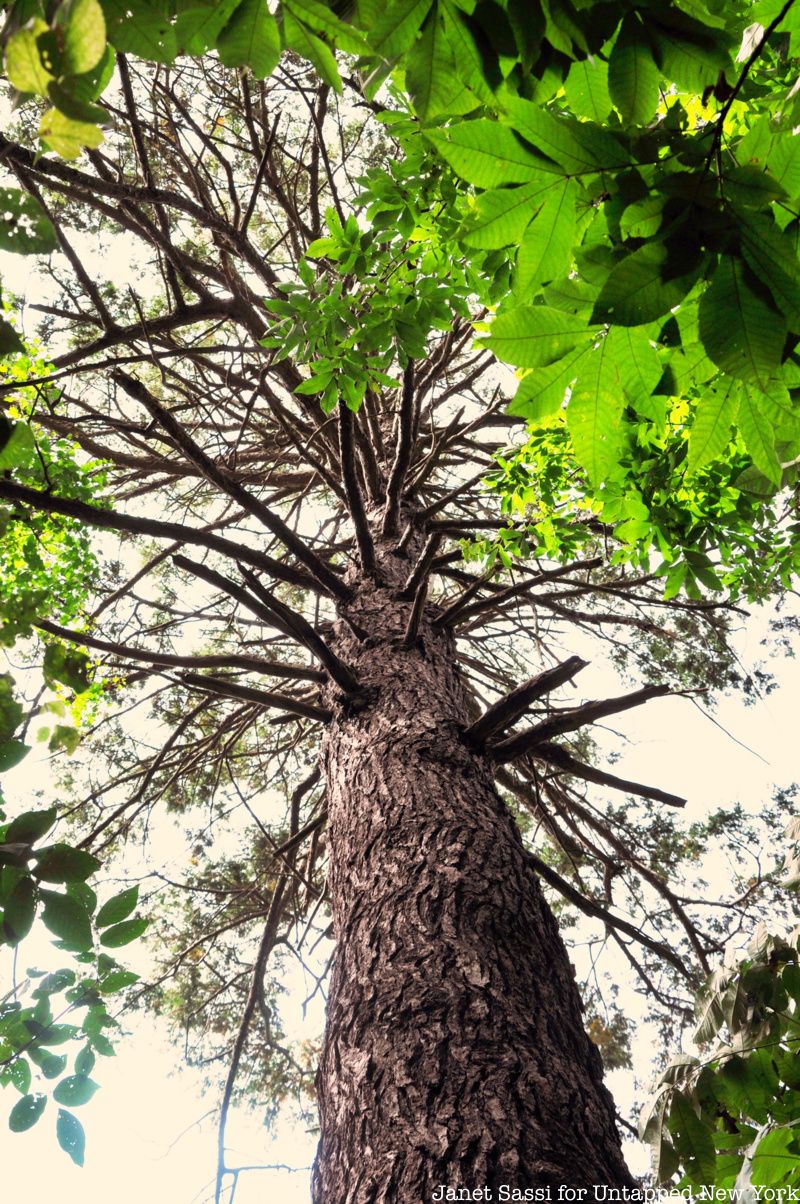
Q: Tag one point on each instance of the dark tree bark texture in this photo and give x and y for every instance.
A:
(455, 1052)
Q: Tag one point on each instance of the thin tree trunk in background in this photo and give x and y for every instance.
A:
(455, 1051)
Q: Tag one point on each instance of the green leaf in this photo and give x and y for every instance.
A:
(646, 284)
(117, 980)
(142, 28)
(759, 435)
(31, 826)
(10, 342)
(693, 1140)
(577, 147)
(19, 910)
(68, 920)
(26, 1112)
(772, 258)
(75, 107)
(296, 36)
(197, 29)
(752, 187)
(71, 1136)
(25, 228)
(594, 414)
(486, 154)
(75, 1090)
(62, 863)
(123, 934)
(586, 89)
(500, 215)
(11, 753)
(532, 335)
(65, 136)
(68, 665)
(396, 29)
(251, 39)
(741, 331)
(545, 251)
(20, 1074)
(541, 393)
(24, 66)
(84, 36)
(775, 1158)
(118, 908)
(633, 77)
(433, 82)
(639, 369)
(51, 1065)
(710, 431)
(84, 1063)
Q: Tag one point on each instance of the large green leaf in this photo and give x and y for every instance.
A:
(251, 39)
(639, 368)
(532, 335)
(118, 908)
(576, 148)
(541, 393)
(758, 433)
(62, 863)
(67, 919)
(142, 28)
(83, 36)
(196, 29)
(31, 825)
(24, 66)
(545, 251)
(75, 1090)
(633, 77)
(19, 911)
(65, 136)
(500, 215)
(693, 1140)
(24, 227)
(486, 154)
(586, 89)
(710, 431)
(124, 933)
(647, 284)
(434, 84)
(26, 1112)
(71, 1136)
(772, 258)
(594, 413)
(396, 30)
(741, 330)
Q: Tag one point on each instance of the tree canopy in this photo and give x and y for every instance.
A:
(607, 196)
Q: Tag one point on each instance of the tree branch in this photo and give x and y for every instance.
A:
(252, 505)
(508, 709)
(263, 698)
(223, 660)
(569, 721)
(113, 520)
(554, 754)
(403, 447)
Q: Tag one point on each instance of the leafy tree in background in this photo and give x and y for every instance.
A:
(290, 403)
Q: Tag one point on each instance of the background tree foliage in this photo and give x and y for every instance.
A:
(611, 191)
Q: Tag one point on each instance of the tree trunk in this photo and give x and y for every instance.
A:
(455, 1052)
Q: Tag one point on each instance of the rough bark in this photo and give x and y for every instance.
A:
(455, 1052)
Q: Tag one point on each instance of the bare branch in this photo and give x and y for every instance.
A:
(508, 709)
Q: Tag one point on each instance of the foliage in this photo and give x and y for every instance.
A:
(637, 161)
(729, 1119)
